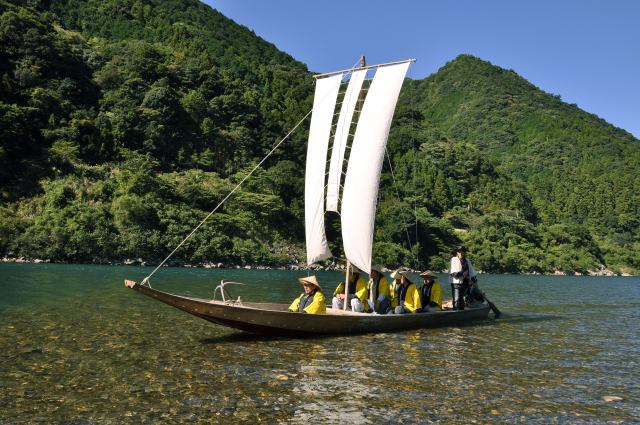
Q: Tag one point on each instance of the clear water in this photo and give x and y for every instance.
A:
(76, 346)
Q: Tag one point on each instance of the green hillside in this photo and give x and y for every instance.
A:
(532, 183)
(122, 123)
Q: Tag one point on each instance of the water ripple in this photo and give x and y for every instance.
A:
(76, 348)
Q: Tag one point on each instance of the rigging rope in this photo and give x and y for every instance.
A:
(146, 279)
(395, 185)
(415, 209)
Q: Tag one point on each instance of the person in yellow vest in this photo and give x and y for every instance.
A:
(430, 292)
(393, 288)
(358, 293)
(408, 294)
(311, 301)
(379, 291)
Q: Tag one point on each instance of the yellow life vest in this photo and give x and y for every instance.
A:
(411, 298)
(383, 287)
(314, 303)
(361, 290)
(432, 296)
(393, 291)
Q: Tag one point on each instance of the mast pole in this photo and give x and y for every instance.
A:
(362, 67)
(346, 286)
(361, 96)
(363, 64)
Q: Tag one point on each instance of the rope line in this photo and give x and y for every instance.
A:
(415, 209)
(395, 185)
(146, 279)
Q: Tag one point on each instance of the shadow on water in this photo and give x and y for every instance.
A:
(527, 318)
(249, 337)
(241, 336)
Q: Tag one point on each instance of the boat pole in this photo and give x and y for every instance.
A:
(346, 285)
(361, 68)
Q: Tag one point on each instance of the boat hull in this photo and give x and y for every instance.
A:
(275, 319)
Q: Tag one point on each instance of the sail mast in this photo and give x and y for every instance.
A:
(363, 64)
(324, 103)
(360, 194)
(364, 67)
(341, 138)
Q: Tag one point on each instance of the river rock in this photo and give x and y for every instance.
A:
(610, 398)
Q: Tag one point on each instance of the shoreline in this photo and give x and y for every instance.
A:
(294, 267)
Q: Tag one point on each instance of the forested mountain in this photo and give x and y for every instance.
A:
(122, 123)
(530, 182)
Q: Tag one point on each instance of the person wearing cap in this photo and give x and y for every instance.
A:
(461, 272)
(358, 293)
(379, 291)
(431, 292)
(311, 301)
(408, 295)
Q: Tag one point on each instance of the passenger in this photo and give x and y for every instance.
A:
(358, 293)
(408, 295)
(461, 272)
(431, 292)
(311, 301)
(393, 288)
(379, 291)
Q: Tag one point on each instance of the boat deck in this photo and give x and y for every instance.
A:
(276, 319)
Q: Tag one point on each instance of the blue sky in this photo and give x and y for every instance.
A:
(586, 51)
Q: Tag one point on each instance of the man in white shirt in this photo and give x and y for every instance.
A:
(461, 273)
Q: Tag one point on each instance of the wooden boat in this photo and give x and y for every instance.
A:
(276, 319)
(354, 197)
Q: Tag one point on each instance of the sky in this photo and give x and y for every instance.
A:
(586, 51)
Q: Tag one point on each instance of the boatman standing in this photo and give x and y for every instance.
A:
(311, 301)
(461, 273)
(358, 293)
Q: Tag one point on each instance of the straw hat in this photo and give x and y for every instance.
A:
(312, 280)
(409, 275)
(395, 273)
(428, 273)
(377, 268)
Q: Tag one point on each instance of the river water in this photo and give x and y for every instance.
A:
(78, 347)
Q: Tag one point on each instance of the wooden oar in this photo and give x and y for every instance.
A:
(491, 305)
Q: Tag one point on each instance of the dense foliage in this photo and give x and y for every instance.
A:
(124, 122)
(529, 183)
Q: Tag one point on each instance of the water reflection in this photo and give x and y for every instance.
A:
(75, 346)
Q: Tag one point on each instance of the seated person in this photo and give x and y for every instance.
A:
(393, 288)
(358, 293)
(408, 295)
(379, 291)
(431, 292)
(311, 301)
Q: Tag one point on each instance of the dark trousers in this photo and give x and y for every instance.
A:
(459, 290)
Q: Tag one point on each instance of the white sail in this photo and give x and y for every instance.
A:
(365, 163)
(324, 104)
(340, 138)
